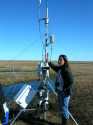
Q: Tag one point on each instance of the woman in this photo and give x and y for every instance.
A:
(64, 81)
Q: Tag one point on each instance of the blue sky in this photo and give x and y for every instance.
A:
(70, 20)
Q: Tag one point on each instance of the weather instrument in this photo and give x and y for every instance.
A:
(23, 94)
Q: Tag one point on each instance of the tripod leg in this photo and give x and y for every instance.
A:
(16, 117)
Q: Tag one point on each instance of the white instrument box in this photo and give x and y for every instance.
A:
(24, 96)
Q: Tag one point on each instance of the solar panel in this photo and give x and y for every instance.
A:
(21, 90)
(24, 96)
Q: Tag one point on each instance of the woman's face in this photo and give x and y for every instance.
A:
(61, 61)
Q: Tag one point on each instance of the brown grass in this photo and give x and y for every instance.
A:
(82, 99)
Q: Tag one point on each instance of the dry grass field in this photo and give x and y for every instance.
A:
(82, 99)
(15, 71)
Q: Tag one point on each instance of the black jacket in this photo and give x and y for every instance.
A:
(66, 75)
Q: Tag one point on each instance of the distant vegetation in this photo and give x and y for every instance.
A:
(82, 99)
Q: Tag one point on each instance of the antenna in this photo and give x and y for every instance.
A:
(48, 40)
(46, 33)
(44, 67)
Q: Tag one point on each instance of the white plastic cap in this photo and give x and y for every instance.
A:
(6, 109)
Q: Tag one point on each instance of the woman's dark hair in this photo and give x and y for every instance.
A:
(65, 59)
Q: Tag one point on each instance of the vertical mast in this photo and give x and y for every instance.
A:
(46, 32)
